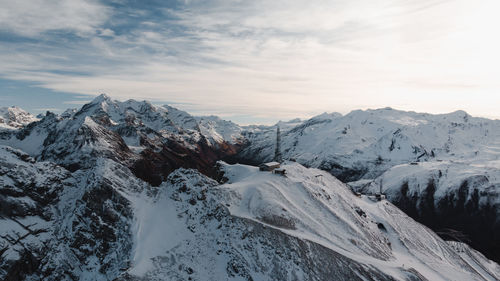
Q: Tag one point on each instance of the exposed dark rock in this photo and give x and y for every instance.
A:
(459, 212)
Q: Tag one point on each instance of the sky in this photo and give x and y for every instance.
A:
(253, 61)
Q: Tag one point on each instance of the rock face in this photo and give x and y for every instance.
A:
(57, 225)
(131, 191)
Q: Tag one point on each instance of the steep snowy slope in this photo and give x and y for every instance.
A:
(14, 117)
(306, 226)
(217, 130)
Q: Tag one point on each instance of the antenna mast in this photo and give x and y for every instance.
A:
(277, 151)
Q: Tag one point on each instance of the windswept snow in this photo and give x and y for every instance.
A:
(157, 229)
(441, 169)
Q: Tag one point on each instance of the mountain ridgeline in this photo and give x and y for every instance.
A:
(152, 141)
(133, 191)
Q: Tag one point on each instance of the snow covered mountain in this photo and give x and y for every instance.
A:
(103, 223)
(443, 169)
(151, 140)
(14, 117)
(364, 144)
(132, 191)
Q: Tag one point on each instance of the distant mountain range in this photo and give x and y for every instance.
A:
(132, 191)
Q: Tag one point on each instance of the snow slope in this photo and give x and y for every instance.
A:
(447, 176)
(313, 205)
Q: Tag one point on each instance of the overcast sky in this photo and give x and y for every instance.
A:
(253, 61)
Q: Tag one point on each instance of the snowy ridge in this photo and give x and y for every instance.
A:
(261, 226)
(447, 177)
(163, 119)
(218, 130)
(313, 205)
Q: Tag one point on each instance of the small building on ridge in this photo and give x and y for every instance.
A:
(270, 166)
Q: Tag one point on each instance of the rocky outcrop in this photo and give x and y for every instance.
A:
(61, 226)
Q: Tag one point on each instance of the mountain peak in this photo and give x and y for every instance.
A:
(101, 98)
(101, 102)
(15, 117)
(460, 113)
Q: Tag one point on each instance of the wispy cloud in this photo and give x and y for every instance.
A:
(268, 59)
(53, 109)
(76, 102)
(32, 17)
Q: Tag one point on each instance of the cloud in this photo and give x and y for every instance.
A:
(32, 17)
(49, 109)
(106, 32)
(269, 59)
(76, 102)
